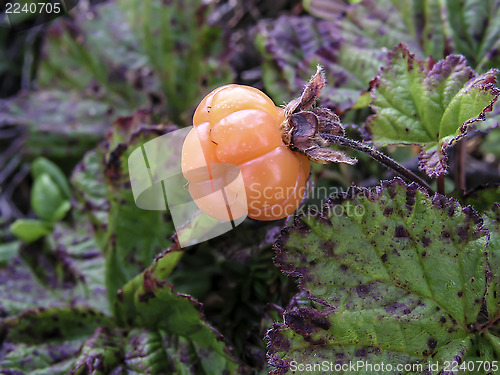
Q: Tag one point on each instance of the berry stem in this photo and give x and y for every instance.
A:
(460, 153)
(380, 157)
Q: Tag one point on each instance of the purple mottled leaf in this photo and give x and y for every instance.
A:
(295, 45)
(58, 124)
(351, 46)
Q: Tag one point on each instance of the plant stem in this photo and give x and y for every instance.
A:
(380, 157)
(440, 184)
(460, 166)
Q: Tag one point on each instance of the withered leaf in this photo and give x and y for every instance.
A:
(325, 155)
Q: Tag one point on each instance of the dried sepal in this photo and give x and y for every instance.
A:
(309, 95)
(303, 130)
(325, 155)
(328, 122)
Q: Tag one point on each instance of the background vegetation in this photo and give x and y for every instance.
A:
(90, 283)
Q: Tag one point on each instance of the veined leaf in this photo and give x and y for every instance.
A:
(147, 301)
(100, 353)
(396, 277)
(429, 104)
(45, 341)
(153, 350)
(139, 351)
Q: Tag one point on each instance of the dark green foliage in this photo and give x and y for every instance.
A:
(93, 284)
(133, 236)
(352, 42)
(142, 70)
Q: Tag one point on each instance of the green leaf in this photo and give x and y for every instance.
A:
(137, 351)
(29, 230)
(108, 350)
(134, 236)
(475, 31)
(159, 353)
(61, 211)
(395, 277)
(428, 104)
(45, 341)
(8, 251)
(101, 353)
(43, 165)
(47, 199)
(34, 325)
(88, 181)
(492, 222)
(142, 287)
(148, 302)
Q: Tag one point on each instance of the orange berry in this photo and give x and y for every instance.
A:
(240, 125)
